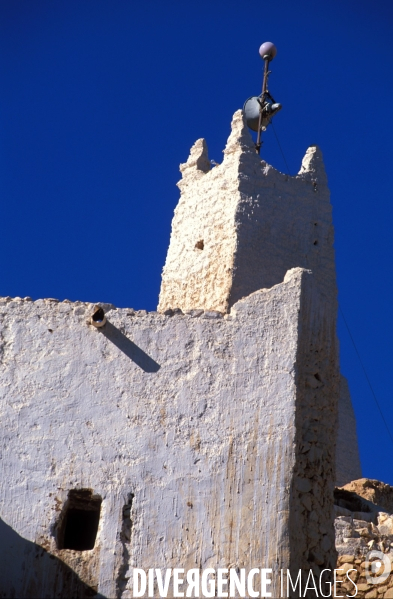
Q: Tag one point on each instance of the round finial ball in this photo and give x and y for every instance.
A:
(268, 49)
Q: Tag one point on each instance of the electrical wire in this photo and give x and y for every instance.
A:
(279, 145)
(366, 375)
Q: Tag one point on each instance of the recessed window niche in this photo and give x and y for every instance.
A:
(78, 524)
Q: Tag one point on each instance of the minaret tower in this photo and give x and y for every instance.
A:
(241, 225)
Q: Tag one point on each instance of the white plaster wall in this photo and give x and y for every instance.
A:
(194, 414)
(283, 222)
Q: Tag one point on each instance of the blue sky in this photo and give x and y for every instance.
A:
(101, 101)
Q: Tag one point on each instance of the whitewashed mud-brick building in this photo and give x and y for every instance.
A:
(202, 435)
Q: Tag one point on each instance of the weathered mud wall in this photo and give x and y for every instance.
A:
(317, 389)
(185, 426)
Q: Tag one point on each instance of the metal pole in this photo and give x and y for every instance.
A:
(264, 88)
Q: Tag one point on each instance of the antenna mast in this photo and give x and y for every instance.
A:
(259, 110)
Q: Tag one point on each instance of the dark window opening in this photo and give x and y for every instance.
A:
(199, 245)
(81, 529)
(78, 523)
(350, 501)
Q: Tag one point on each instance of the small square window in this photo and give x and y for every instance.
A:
(79, 520)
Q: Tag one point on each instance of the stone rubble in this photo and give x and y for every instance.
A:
(367, 526)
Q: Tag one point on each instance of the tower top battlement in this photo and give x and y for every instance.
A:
(240, 225)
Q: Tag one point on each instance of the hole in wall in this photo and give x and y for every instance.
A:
(98, 315)
(350, 501)
(316, 242)
(318, 377)
(199, 245)
(78, 523)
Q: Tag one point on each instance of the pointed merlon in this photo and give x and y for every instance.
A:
(198, 158)
(313, 167)
(240, 137)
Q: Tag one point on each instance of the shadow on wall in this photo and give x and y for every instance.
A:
(28, 571)
(128, 347)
